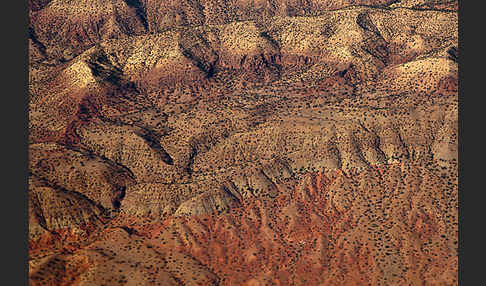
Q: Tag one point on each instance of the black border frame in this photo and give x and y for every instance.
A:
(15, 22)
(15, 231)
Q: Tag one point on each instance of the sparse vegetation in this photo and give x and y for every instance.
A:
(222, 143)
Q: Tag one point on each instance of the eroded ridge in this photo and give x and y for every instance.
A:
(223, 143)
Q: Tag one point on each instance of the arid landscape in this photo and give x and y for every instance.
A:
(238, 142)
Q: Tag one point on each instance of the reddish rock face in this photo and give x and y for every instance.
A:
(243, 143)
(332, 228)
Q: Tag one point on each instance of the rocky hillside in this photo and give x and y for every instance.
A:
(243, 142)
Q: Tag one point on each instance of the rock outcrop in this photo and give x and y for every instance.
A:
(243, 142)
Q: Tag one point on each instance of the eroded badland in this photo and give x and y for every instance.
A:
(266, 142)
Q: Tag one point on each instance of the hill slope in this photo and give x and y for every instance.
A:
(237, 143)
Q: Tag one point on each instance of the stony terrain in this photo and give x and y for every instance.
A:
(296, 142)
